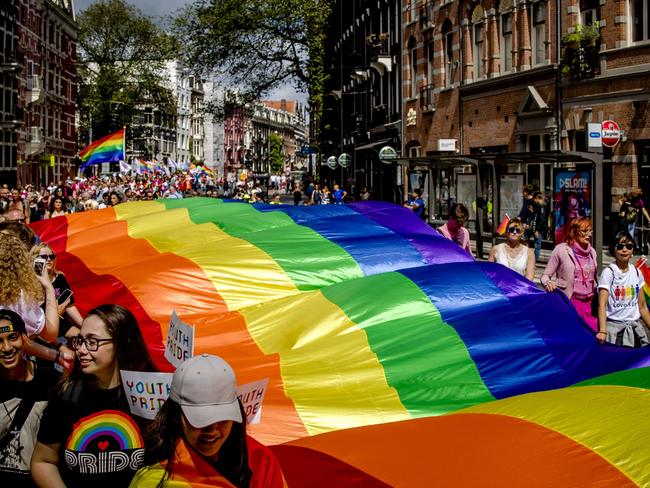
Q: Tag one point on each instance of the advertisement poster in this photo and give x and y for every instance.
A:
(466, 193)
(572, 199)
(510, 199)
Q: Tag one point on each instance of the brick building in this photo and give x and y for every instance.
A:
(483, 77)
(47, 90)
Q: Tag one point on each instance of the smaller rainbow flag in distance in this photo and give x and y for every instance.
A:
(642, 265)
(503, 225)
(106, 150)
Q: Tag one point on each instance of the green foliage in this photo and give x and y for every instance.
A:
(256, 45)
(276, 158)
(121, 61)
(577, 51)
(583, 35)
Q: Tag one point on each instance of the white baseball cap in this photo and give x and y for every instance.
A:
(206, 389)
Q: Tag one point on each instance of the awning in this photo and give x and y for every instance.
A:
(372, 145)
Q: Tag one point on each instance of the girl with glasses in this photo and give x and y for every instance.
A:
(78, 441)
(622, 309)
(513, 253)
(70, 318)
(574, 265)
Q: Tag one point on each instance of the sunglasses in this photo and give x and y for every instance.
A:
(628, 245)
(514, 230)
(50, 257)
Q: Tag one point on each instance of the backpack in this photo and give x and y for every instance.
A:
(631, 213)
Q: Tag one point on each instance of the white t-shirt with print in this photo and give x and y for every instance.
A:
(624, 290)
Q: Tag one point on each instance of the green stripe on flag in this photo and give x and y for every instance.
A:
(309, 259)
(423, 357)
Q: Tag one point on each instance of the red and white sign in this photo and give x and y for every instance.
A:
(611, 133)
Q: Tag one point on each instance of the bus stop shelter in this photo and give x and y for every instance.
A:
(491, 163)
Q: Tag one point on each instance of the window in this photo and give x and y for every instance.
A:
(539, 32)
(478, 51)
(640, 20)
(506, 42)
(430, 59)
(448, 50)
(414, 68)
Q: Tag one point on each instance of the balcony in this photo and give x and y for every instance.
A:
(35, 92)
(427, 100)
(35, 141)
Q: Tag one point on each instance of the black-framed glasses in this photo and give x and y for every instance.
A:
(92, 343)
(514, 230)
(50, 257)
(628, 245)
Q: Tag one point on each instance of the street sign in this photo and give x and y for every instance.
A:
(332, 162)
(345, 160)
(387, 155)
(611, 133)
(594, 136)
(307, 150)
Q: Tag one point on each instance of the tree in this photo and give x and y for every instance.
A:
(255, 46)
(122, 56)
(276, 158)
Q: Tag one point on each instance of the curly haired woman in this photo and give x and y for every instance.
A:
(22, 291)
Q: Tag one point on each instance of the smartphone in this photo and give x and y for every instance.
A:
(67, 293)
(39, 265)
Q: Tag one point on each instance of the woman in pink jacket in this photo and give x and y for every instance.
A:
(574, 265)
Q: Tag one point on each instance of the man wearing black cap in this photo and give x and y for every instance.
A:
(24, 391)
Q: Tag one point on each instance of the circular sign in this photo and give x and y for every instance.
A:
(611, 133)
(387, 154)
(345, 160)
(331, 162)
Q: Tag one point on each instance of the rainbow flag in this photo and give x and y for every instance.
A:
(359, 317)
(642, 266)
(503, 226)
(107, 149)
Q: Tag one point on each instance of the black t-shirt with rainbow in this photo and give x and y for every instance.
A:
(101, 443)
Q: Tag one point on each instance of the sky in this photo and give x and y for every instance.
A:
(161, 8)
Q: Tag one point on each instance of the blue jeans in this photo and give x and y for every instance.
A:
(631, 227)
(538, 247)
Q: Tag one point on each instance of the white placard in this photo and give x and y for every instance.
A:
(251, 396)
(180, 341)
(146, 392)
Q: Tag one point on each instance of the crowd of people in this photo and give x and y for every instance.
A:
(613, 305)
(66, 419)
(29, 204)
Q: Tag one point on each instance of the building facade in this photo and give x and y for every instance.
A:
(519, 76)
(363, 96)
(39, 87)
(247, 132)
(214, 132)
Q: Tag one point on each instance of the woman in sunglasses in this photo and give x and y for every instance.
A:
(69, 317)
(513, 253)
(87, 436)
(573, 263)
(622, 308)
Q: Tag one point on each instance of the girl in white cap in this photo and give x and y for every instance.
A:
(199, 436)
